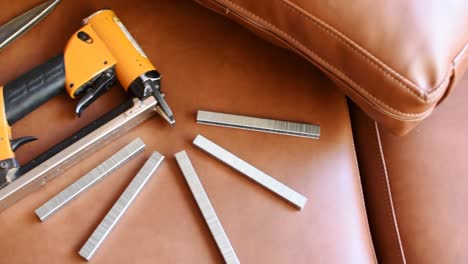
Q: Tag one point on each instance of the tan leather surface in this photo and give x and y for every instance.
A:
(416, 187)
(395, 59)
(210, 63)
(377, 188)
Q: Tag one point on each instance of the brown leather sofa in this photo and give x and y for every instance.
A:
(373, 196)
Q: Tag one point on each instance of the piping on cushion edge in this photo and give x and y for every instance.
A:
(426, 96)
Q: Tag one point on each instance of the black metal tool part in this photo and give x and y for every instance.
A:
(31, 90)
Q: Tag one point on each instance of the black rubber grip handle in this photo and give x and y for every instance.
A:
(33, 89)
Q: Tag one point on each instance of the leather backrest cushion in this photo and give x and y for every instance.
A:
(396, 59)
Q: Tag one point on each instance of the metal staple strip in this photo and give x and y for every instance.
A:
(250, 171)
(259, 124)
(206, 208)
(90, 179)
(116, 212)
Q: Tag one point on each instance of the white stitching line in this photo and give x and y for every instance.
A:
(425, 97)
(386, 183)
(460, 56)
(336, 71)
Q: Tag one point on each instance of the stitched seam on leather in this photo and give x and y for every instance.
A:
(380, 103)
(336, 71)
(387, 192)
(460, 56)
(356, 48)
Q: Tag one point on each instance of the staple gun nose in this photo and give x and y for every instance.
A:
(149, 84)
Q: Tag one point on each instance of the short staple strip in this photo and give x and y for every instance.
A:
(120, 207)
(89, 180)
(206, 208)
(251, 172)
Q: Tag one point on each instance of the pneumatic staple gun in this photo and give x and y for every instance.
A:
(96, 56)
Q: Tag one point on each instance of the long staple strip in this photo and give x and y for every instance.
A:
(206, 208)
(116, 212)
(250, 171)
(89, 180)
(259, 124)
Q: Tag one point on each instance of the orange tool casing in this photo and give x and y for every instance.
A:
(111, 45)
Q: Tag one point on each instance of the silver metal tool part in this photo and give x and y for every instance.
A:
(250, 171)
(163, 108)
(206, 208)
(22, 23)
(120, 207)
(259, 124)
(54, 166)
(90, 179)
